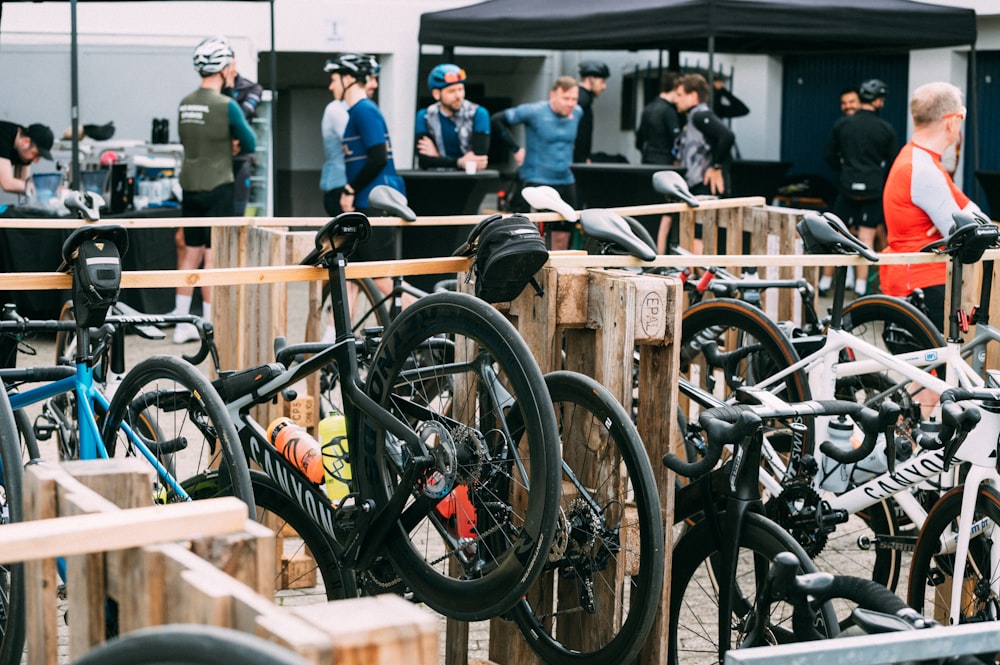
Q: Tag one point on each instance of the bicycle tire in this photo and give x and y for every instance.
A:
(763, 351)
(693, 632)
(369, 307)
(12, 601)
(569, 616)
(169, 396)
(511, 486)
(302, 539)
(932, 571)
(897, 326)
(189, 644)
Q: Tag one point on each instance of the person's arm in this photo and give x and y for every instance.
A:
(8, 181)
(240, 130)
(428, 156)
(249, 98)
(728, 105)
(719, 137)
(584, 136)
(932, 192)
(503, 131)
(376, 157)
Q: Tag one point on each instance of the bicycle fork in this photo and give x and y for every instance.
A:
(967, 530)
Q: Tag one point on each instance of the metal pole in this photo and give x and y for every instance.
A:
(977, 192)
(74, 92)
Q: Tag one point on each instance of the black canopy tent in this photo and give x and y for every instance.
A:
(735, 26)
(74, 79)
(726, 26)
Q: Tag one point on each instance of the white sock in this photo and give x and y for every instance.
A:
(206, 310)
(182, 304)
(825, 281)
(860, 286)
(850, 274)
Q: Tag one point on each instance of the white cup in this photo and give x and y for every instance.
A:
(470, 166)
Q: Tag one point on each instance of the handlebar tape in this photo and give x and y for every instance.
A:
(723, 425)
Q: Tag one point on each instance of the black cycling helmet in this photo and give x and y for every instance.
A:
(872, 89)
(594, 68)
(358, 65)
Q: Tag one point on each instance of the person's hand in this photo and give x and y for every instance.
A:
(236, 147)
(519, 156)
(346, 202)
(480, 160)
(713, 178)
(426, 147)
(718, 84)
(29, 188)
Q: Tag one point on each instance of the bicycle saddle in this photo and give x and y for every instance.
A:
(971, 235)
(392, 201)
(341, 234)
(609, 226)
(827, 234)
(547, 198)
(112, 233)
(672, 184)
(86, 204)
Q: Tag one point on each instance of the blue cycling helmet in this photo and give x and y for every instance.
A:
(444, 75)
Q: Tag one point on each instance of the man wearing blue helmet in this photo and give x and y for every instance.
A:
(452, 132)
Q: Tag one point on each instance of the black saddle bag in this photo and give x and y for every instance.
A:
(507, 252)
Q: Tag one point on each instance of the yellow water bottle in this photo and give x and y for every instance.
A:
(336, 462)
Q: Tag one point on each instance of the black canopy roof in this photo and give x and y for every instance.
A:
(737, 26)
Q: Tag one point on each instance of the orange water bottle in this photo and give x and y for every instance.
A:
(336, 462)
(302, 450)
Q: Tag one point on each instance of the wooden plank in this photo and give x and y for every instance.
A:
(376, 630)
(83, 534)
(40, 574)
(247, 556)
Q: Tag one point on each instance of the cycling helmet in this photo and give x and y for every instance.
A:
(358, 65)
(212, 55)
(594, 68)
(872, 89)
(444, 75)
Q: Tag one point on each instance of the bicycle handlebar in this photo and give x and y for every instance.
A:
(728, 424)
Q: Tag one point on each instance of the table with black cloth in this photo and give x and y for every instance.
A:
(39, 250)
(441, 192)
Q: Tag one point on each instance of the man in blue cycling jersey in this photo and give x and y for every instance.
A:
(452, 132)
(550, 132)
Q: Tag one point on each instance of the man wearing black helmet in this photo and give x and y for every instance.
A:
(367, 148)
(452, 132)
(20, 147)
(861, 148)
(594, 76)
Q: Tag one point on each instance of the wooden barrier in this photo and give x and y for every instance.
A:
(115, 568)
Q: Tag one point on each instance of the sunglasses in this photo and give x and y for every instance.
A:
(960, 115)
(455, 77)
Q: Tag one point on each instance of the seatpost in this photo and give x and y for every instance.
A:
(338, 297)
(982, 313)
(954, 331)
(839, 291)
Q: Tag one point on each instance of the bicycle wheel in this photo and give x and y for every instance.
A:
(898, 327)
(12, 608)
(307, 567)
(695, 588)
(598, 597)
(751, 348)
(174, 410)
(480, 520)
(189, 644)
(933, 569)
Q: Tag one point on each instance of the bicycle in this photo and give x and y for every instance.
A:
(445, 383)
(12, 598)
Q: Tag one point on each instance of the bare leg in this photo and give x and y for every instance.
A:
(866, 234)
(663, 234)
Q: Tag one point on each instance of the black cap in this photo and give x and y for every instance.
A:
(42, 137)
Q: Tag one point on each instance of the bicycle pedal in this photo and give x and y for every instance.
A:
(43, 431)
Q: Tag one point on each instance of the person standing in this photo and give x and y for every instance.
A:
(550, 132)
(452, 132)
(20, 147)
(247, 94)
(660, 125)
(920, 196)
(861, 148)
(333, 176)
(594, 76)
(367, 148)
(212, 129)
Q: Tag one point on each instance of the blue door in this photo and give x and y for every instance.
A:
(811, 88)
(987, 109)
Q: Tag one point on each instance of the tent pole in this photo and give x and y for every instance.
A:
(274, 64)
(974, 121)
(74, 91)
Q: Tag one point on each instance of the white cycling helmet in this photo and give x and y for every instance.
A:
(212, 55)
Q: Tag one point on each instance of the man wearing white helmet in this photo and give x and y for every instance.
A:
(212, 129)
